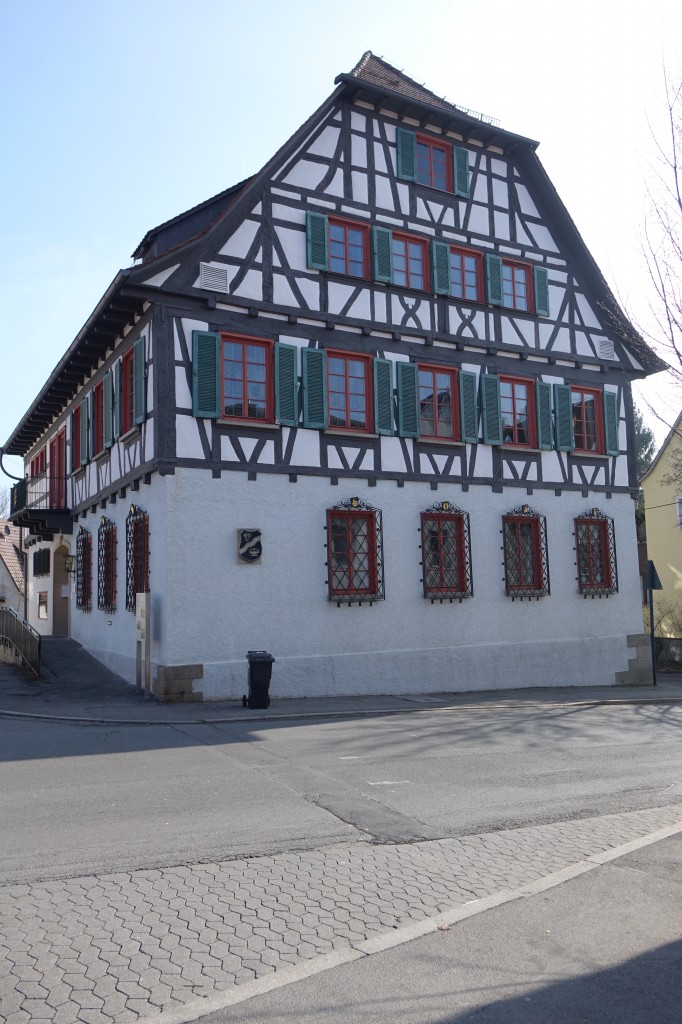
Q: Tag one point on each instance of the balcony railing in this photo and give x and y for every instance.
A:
(16, 633)
(40, 505)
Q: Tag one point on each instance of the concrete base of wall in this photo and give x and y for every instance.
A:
(639, 672)
(8, 656)
(176, 683)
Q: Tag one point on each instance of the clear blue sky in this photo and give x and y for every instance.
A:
(116, 116)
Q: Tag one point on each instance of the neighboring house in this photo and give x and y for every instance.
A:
(11, 568)
(368, 410)
(663, 511)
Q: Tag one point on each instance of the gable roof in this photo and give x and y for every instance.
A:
(10, 553)
(375, 81)
(185, 226)
(674, 432)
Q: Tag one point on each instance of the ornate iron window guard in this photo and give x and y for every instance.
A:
(358, 505)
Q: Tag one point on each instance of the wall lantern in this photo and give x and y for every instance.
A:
(70, 563)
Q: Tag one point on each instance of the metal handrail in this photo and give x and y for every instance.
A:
(43, 492)
(17, 633)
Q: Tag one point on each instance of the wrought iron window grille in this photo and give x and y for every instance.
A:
(355, 562)
(106, 566)
(137, 555)
(525, 554)
(446, 553)
(84, 570)
(595, 551)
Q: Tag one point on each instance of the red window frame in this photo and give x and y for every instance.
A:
(582, 436)
(353, 553)
(428, 169)
(516, 295)
(344, 391)
(596, 571)
(137, 555)
(462, 255)
(98, 418)
(57, 485)
(84, 570)
(347, 255)
(523, 553)
(512, 428)
(410, 279)
(440, 422)
(106, 566)
(249, 363)
(39, 462)
(444, 554)
(127, 396)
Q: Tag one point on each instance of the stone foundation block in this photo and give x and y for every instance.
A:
(177, 683)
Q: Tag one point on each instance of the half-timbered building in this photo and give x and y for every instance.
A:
(368, 410)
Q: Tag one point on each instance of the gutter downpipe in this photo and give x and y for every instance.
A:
(21, 540)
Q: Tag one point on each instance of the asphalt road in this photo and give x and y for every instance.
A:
(77, 799)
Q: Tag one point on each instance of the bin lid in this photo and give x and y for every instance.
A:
(259, 656)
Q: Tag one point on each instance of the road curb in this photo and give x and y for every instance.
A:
(350, 713)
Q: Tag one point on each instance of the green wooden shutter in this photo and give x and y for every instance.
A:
(490, 403)
(543, 399)
(118, 390)
(611, 423)
(383, 396)
(468, 406)
(440, 267)
(541, 281)
(316, 238)
(286, 381)
(314, 388)
(205, 374)
(74, 467)
(493, 278)
(382, 254)
(139, 381)
(408, 391)
(85, 433)
(108, 409)
(461, 157)
(563, 418)
(406, 142)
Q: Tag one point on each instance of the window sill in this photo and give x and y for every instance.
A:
(130, 435)
(507, 446)
(590, 455)
(339, 432)
(102, 456)
(251, 424)
(444, 441)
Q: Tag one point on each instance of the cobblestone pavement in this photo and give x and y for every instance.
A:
(118, 947)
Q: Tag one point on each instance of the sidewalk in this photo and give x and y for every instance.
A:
(602, 947)
(173, 944)
(76, 687)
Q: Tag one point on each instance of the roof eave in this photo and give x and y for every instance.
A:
(80, 358)
(393, 99)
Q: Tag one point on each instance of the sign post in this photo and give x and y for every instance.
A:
(651, 583)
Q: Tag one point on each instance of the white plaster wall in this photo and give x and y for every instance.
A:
(110, 636)
(215, 609)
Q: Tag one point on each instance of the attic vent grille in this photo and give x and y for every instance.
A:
(214, 279)
(606, 349)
